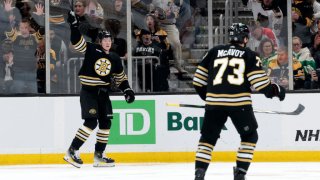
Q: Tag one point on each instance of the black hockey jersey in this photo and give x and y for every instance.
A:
(225, 76)
(98, 67)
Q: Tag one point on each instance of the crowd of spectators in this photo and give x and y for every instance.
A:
(269, 40)
(158, 29)
(22, 35)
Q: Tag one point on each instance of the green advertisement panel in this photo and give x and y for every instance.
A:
(133, 123)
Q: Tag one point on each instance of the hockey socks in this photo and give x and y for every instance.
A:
(81, 137)
(73, 156)
(102, 139)
(100, 160)
(245, 155)
(203, 155)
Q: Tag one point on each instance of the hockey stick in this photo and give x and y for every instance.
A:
(298, 110)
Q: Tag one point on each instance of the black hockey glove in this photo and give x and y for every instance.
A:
(129, 95)
(73, 19)
(279, 91)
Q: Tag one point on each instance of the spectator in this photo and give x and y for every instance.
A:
(307, 61)
(167, 11)
(139, 10)
(9, 18)
(302, 18)
(59, 47)
(316, 16)
(184, 20)
(24, 45)
(117, 10)
(119, 45)
(94, 8)
(87, 25)
(95, 11)
(267, 52)
(158, 35)
(303, 12)
(279, 71)
(267, 13)
(315, 49)
(317, 31)
(58, 11)
(41, 68)
(259, 33)
(155, 74)
(7, 68)
(315, 52)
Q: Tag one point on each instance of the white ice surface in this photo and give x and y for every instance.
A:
(160, 171)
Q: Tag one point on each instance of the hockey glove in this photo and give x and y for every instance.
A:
(73, 19)
(279, 91)
(129, 95)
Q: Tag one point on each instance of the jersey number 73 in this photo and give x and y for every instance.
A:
(238, 65)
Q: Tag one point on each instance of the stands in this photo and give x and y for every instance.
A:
(184, 31)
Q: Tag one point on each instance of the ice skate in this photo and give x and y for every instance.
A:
(200, 174)
(72, 157)
(238, 174)
(102, 161)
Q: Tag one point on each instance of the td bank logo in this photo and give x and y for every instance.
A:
(133, 123)
(177, 122)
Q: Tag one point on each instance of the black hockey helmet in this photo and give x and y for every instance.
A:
(237, 32)
(104, 34)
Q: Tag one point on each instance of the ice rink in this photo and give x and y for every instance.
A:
(160, 171)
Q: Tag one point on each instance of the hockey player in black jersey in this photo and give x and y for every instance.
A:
(223, 80)
(99, 66)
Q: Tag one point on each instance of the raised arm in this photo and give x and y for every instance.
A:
(76, 38)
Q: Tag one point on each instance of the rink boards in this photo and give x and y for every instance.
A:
(38, 130)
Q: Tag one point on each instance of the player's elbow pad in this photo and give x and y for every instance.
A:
(202, 92)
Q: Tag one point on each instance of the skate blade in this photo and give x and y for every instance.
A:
(70, 161)
(97, 164)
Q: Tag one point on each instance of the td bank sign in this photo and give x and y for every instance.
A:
(133, 123)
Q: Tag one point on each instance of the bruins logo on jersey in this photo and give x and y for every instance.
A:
(102, 66)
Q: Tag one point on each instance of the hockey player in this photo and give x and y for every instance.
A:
(99, 66)
(223, 80)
